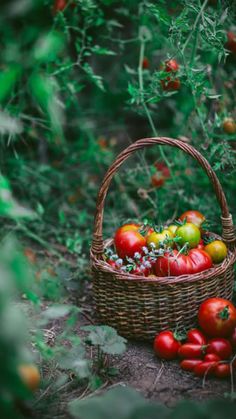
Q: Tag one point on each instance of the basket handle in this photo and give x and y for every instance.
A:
(226, 218)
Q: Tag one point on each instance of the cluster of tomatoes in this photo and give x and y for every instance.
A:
(209, 350)
(182, 248)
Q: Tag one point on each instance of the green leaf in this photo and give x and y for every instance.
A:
(9, 207)
(106, 338)
(97, 80)
(8, 78)
(102, 51)
(48, 47)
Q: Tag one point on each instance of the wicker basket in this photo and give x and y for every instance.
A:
(140, 307)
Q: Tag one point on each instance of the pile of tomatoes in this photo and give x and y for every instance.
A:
(182, 248)
(209, 350)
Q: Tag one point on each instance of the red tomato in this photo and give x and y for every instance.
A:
(212, 358)
(232, 339)
(229, 126)
(194, 217)
(141, 270)
(171, 83)
(161, 167)
(127, 243)
(171, 66)
(112, 263)
(217, 317)
(175, 264)
(201, 245)
(220, 347)
(222, 370)
(205, 368)
(157, 180)
(231, 42)
(166, 346)
(59, 5)
(189, 364)
(128, 227)
(146, 63)
(196, 336)
(191, 350)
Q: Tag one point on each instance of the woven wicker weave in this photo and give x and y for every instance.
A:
(140, 307)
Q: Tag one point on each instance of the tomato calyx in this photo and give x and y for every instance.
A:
(224, 314)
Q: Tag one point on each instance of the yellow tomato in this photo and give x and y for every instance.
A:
(30, 376)
(172, 228)
(158, 238)
(217, 250)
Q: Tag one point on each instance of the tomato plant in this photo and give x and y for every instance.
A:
(171, 83)
(194, 217)
(217, 317)
(59, 5)
(189, 234)
(220, 347)
(166, 345)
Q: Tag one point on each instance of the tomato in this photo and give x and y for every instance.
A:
(201, 245)
(196, 336)
(128, 227)
(194, 217)
(163, 169)
(157, 180)
(166, 346)
(158, 238)
(205, 368)
(231, 42)
(112, 263)
(141, 270)
(171, 83)
(222, 370)
(30, 255)
(189, 364)
(189, 233)
(232, 339)
(220, 347)
(217, 250)
(217, 317)
(229, 126)
(127, 243)
(30, 376)
(175, 263)
(191, 350)
(173, 228)
(59, 5)
(146, 63)
(212, 357)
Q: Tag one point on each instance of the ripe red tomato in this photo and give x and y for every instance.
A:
(220, 347)
(141, 270)
(196, 336)
(161, 167)
(171, 83)
(189, 233)
(212, 358)
(189, 364)
(127, 243)
(146, 63)
(222, 370)
(194, 217)
(231, 42)
(191, 350)
(166, 346)
(217, 317)
(205, 368)
(232, 339)
(128, 227)
(59, 5)
(175, 264)
(171, 65)
(112, 263)
(229, 126)
(157, 180)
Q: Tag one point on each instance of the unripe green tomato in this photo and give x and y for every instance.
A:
(188, 233)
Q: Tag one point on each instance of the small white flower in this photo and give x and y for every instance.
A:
(145, 250)
(119, 262)
(147, 264)
(137, 255)
(152, 245)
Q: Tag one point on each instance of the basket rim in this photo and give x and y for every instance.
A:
(102, 266)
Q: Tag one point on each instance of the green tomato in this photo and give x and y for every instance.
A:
(189, 233)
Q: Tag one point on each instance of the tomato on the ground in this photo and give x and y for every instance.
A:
(191, 350)
(166, 345)
(205, 368)
(196, 336)
(222, 370)
(190, 364)
(220, 347)
(217, 250)
(217, 317)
